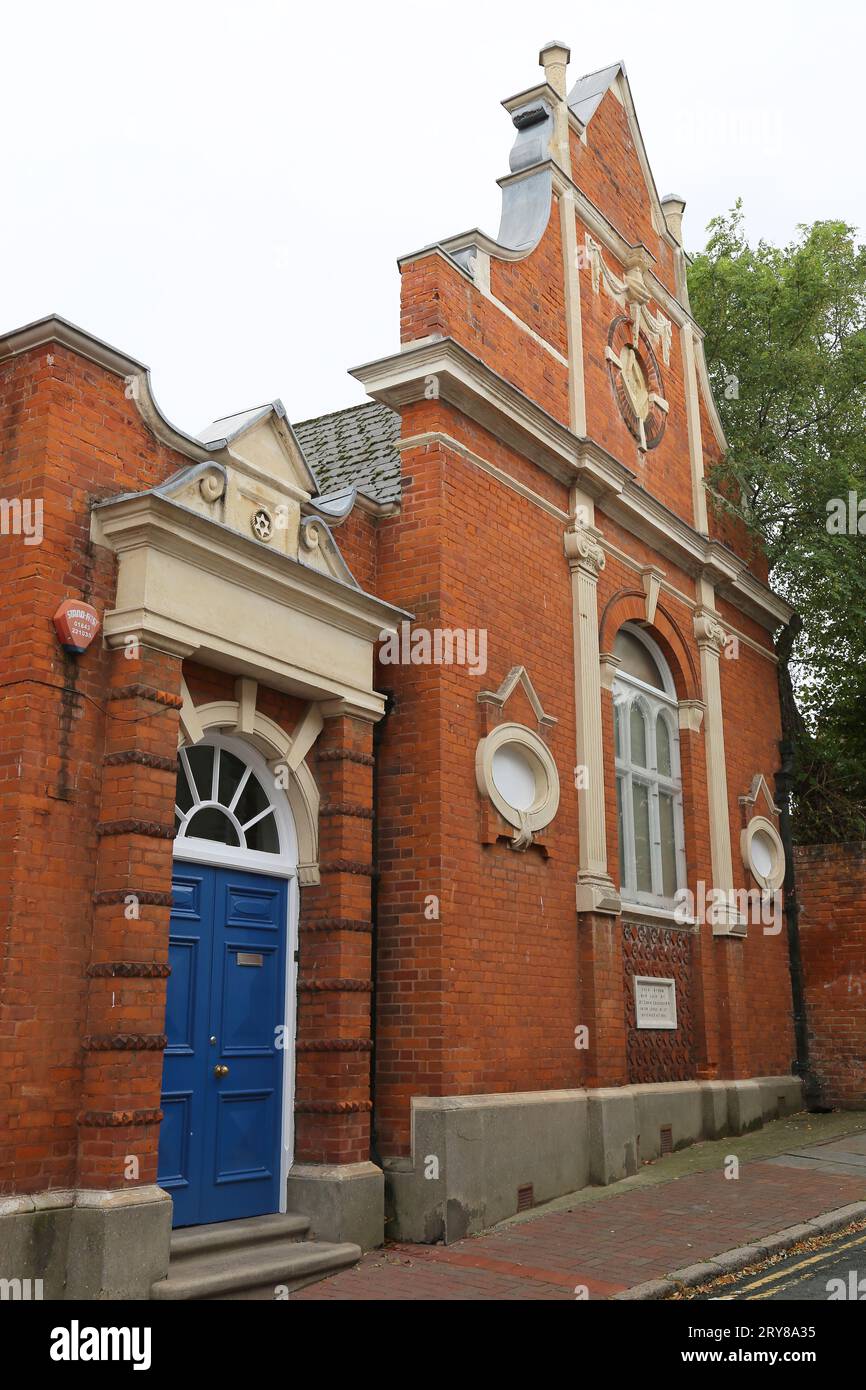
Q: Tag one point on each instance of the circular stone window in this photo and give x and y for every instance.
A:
(637, 382)
(515, 769)
(763, 853)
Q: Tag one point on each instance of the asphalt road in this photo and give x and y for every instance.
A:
(835, 1272)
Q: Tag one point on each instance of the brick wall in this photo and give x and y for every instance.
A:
(68, 435)
(831, 887)
(607, 168)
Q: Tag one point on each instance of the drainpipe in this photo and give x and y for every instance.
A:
(378, 731)
(784, 782)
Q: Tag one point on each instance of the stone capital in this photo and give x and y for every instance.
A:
(691, 715)
(709, 632)
(608, 665)
(596, 893)
(583, 550)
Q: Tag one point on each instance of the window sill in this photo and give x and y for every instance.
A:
(658, 914)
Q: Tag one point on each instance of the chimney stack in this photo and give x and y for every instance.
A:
(554, 58)
(673, 207)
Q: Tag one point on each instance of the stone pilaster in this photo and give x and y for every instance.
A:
(693, 422)
(711, 637)
(595, 890)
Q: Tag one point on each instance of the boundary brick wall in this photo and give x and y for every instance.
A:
(831, 887)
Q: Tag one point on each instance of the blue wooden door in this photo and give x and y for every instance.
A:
(220, 1141)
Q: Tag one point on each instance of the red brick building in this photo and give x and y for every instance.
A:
(394, 855)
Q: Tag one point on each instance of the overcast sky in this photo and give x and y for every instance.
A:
(221, 190)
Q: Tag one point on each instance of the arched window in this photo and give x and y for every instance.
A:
(648, 786)
(227, 805)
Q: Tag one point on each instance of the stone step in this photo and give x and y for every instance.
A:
(227, 1235)
(253, 1271)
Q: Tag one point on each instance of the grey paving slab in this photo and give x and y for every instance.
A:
(852, 1170)
(848, 1143)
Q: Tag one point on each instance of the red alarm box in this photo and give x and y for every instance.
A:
(76, 625)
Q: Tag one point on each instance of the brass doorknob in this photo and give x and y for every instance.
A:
(220, 1070)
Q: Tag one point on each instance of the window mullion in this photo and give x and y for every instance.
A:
(656, 840)
(196, 799)
(630, 855)
(241, 784)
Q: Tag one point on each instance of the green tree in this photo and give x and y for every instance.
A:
(786, 351)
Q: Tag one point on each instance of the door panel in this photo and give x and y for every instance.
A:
(253, 906)
(219, 1153)
(244, 1125)
(183, 957)
(174, 1140)
(251, 991)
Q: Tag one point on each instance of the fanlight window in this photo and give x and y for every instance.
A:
(648, 786)
(220, 798)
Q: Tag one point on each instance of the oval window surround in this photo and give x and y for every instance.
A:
(763, 853)
(516, 770)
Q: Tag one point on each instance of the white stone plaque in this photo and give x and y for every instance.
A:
(655, 1002)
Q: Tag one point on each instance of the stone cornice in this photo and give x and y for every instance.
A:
(541, 92)
(189, 584)
(467, 383)
(128, 523)
(54, 329)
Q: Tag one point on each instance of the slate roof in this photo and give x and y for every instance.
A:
(586, 95)
(227, 427)
(355, 445)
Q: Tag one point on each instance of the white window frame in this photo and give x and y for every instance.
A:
(628, 691)
(284, 863)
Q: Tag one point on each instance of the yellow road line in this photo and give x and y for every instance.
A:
(792, 1269)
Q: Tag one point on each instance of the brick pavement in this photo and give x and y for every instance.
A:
(606, 1245)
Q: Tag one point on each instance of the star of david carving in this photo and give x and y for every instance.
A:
(262, 525)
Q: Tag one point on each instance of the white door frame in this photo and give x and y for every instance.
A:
(283, 866)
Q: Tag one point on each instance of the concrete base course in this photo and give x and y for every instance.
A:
(613, 1134)
(86, 1244)
(474, 1157)
(34, 1243)
(471, 1154)
(714, 1109)
(344, 1202)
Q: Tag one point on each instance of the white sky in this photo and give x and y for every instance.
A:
(221, 190)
